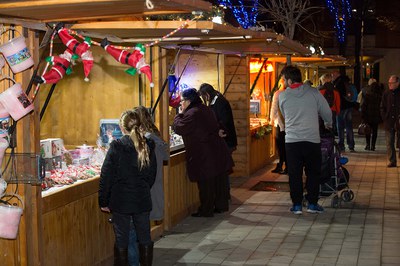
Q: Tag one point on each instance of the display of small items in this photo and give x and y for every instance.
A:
(51, 150)
(175, 139)
(65, 167)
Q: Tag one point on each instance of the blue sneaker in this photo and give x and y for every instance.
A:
(315, 208)
(297, 209)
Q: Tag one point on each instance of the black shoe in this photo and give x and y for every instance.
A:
(367, 148)
(392, 165)
(219, 211)
(373, 148)
(198, 214)
(284, 172)
(277, 169)
(352, 150)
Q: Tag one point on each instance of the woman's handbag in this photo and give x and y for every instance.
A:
(364, 129)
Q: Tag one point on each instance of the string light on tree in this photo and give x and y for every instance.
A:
(341, 9)
(244, 18)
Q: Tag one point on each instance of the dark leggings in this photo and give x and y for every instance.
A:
(374, 133)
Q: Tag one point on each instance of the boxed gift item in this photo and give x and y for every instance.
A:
(51, 148)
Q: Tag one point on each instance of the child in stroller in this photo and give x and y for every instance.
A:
(334, 176)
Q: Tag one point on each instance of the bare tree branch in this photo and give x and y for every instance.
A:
(289, 13)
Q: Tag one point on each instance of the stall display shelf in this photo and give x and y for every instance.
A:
(57, 189)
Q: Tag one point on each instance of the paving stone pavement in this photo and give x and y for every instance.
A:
(260, 230)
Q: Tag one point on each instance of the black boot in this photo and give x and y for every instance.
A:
(373, 145)
(277, 169)
(120, 256)
(367, 148)
(146, 254)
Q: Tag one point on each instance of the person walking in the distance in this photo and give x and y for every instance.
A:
(390, 111)
(301, 107)
(345, 116)
(370, 112)
(332, 96)
(127, 174)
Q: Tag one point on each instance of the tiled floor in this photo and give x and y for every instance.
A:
(259, 229)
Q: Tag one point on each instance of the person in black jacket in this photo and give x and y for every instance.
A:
(390, 111)
(370, 112)
(223, 111)
(127, 174)
(208, 160)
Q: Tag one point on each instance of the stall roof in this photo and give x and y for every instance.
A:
(118, 21)
(314, 60)
(198, 35)
(69, 10)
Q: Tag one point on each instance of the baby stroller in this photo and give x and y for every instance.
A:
(334, 176)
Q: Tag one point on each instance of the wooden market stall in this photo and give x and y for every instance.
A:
(64, 226)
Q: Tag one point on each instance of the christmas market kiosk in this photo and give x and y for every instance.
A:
(68, 70)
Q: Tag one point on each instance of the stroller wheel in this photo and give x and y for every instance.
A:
(351, 194)
(346, 196)
(335, 202)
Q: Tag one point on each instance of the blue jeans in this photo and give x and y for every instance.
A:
(345, 121)
(133, 253)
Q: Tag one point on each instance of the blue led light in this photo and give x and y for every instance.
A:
(341, 10)
(244, 18)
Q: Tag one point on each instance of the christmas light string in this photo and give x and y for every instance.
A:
(184, 25)
(241, 15)
(342, 13)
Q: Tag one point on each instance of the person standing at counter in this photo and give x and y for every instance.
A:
(223, 111)
(151, 132)
(279, 123)
(208, 159)
(300, 106)
(127, 174)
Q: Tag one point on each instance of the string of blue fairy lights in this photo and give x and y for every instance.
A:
(244, 18)
(341, 10)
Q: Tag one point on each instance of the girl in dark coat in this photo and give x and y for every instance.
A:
(207, 157)
(370, 112)
(127, 174)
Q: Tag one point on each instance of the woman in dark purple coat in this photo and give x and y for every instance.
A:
(207, 157)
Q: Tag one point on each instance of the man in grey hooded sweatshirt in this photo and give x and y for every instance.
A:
(301, 106)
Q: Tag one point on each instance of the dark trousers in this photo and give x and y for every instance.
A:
(305, 155)
(345, 122)
(121, 225)
(392, 141)
(280, 145)
(374, 134)
(213, 194)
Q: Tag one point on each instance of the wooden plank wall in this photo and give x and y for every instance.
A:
(76, 106)
(182, 197)
(75, 232)
(239, 97)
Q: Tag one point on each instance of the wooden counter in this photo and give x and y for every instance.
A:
(181, 195)
(261, 150)
(75, 231)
